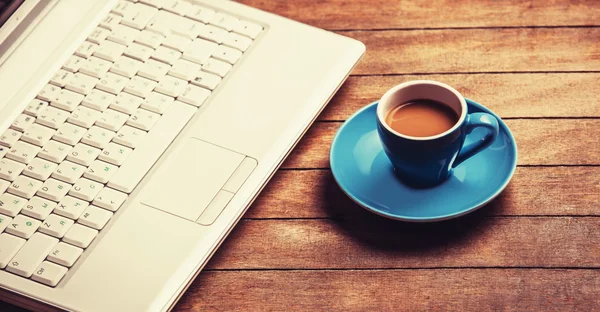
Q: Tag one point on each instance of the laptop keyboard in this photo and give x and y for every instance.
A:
(92, 133)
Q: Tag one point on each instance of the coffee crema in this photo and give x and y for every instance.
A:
(421, 118)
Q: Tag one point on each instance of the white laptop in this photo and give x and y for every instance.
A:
(137, 133)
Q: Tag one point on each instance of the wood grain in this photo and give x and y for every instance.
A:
(479, 50)
(378, 14)
(395, 290)
(539, 142)
(532, 191)
(508, 95)
(374, 242)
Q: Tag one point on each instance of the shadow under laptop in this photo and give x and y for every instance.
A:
(378, 232)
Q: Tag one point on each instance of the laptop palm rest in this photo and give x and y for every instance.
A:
(194, 178)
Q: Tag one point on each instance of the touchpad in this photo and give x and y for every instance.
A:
(189, 179)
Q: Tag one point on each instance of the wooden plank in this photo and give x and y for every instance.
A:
(539, 141)
(375, 242)
(314, 194)
(479, 50)
(378, 14)
(508, 95)
(397, 290)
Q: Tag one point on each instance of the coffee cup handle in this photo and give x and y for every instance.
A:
(473, 121)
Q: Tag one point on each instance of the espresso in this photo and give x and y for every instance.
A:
(421, 118)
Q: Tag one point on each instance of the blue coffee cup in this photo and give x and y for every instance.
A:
(428, 161)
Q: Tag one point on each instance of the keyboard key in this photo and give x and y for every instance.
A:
(74, 63)
(80, 236)
(194, 95)
(86, 49)
(177, 6)
(140, 86)
(3, 151)
(38, 208)
(114, 154)
(39, 169)
(126, 66)
(110, 21)
(121, 7)
(98, 35)
(24, 187)
(49, 93)
(35, 107)
(98, 100)
(31, 255)
(71, 207)
(69, 134)
(65, 254)
(38, 135)
(185, 70)
(54, 151)
(11, 205)
(139, 52)
(22, 122)
(96, 67)
(150, 39)
(68, 172)
(112, 83)
(157, 103)
(248, 29)
(61, 78)
(138, 15)
(4, 185)
(110, 199)
(86, 117)
(10, 137)
(100, 171)
(154, 70)
(22, 152)
(55, 225)
(10, 169)
(143, 119)
(177, 43)
(206, 80)
(67, 100)
(83, 154)
(158, 139)
(123, 34)
(129, 136)
(213, 33)
(9, 246)
(82, 83)
(166, 55)
(97, 137)
(85, 189)
(49, 273)
(95, 217)
(23, 226)
(126, 103)
(54, 189)
(199, 51)
(225, 21)
(226, 54)
(112, 120)
(216, 67)
(200, 13)
(237, 41)
(171, 86)
(4, 221)
(109, 50)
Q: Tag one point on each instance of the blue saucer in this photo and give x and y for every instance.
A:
(365, 174)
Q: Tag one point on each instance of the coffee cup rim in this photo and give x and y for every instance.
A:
(390, 92)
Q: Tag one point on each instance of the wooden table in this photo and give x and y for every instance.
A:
(304, 246)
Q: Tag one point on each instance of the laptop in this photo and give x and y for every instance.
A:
(137, 133)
